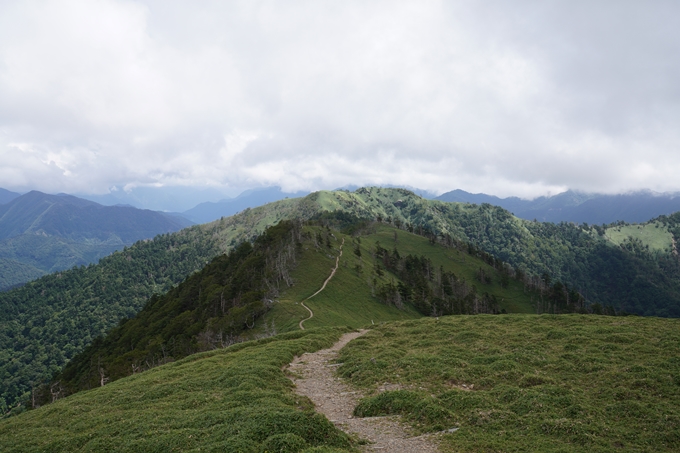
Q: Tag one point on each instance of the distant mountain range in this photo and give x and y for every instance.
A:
(209, 211)
(6, 196)
(166, 198)
(571, 206)
(41, 233)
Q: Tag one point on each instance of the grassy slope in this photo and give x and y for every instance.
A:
(653, 234)
(348, 299)
(527, 383)
(512, 299)
(236, 399)
(508, 383)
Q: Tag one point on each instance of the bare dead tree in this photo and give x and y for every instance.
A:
(56, 391)
(102, 373)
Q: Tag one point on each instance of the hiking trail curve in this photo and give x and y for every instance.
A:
(314, 377)
(337, 263)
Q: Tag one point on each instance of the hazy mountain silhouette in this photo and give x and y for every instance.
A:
(209, 211)
(78, 219)
(6, 196)
(42, 233)
(571, 206)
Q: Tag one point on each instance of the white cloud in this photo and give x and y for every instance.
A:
(510, 99)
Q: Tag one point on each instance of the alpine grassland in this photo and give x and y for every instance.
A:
(653, 235)
(517, 383)
(236, 399)
(347, 299)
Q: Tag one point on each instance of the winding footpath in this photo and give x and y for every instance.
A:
(314, 377)
(311, 313)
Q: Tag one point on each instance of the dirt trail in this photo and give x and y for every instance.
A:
(316, 379)
(311, 313)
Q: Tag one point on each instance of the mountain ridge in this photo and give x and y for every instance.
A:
(210, 211)
(7, 195)
(579, 207)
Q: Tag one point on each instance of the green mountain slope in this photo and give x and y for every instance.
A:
(16, 273)
(44, 323)
(209, 309)
(348, 299)
(608, 273)
(47, 254)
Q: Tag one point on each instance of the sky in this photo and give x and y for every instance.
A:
(521, 98)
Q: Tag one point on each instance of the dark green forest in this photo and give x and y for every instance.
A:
(45, 323)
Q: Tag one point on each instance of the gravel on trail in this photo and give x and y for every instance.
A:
(314, 377)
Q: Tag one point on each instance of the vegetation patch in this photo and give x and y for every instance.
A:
(655, 236)
(504, 383)
(235, 399)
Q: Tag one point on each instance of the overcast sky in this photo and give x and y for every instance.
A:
(502, 97)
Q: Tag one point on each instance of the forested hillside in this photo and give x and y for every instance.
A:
(46, 322)
(209, 309)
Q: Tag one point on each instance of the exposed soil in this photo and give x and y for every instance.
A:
(314, 377)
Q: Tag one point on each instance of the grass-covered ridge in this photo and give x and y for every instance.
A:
(352, 297)
(526, 382)
(236, 399)
(653, 235)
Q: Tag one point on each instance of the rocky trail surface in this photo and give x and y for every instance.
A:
(314, 377)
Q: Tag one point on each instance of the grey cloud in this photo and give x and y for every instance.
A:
(512, 98)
